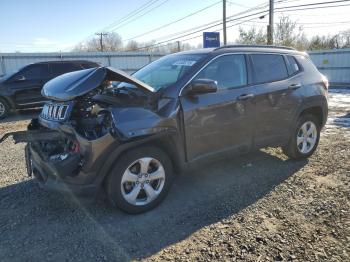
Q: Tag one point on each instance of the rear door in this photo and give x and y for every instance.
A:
(277, 98)
(26, 85)
(220, 122)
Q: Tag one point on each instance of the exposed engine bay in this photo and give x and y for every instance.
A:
(90, 115)
(85, 99)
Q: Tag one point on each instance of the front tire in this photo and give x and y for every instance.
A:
(140, 180)
(4, 108)
(305, 138)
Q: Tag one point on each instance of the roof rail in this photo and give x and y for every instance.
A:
(255, 46)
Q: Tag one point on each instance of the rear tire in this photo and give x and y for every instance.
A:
(4, 108)
(305, 138)
(140, 180)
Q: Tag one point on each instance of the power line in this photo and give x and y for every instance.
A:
(313, 8)
(285, 9)
(197, 36)
(138, 17)
(307, 23)
(233, 3)
(211, 26)
(319, 3)
(213, 22)
(169, 40)
(281, 1)
(310, 25)
(220, 23)
(173, 22)
(260, 6)
(126, 17)
(132, 13)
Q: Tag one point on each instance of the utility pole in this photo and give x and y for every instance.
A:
(101, 35)
(224, 20)
(178, 46)
(270, 26)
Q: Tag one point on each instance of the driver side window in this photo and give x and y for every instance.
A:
(229, 71)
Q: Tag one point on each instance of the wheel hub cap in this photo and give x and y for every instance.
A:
(142, 178)
(143, 181)
(307, 137)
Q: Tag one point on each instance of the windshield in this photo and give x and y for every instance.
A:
(12, 74)
(166, 71)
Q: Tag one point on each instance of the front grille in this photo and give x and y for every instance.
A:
(57, 112)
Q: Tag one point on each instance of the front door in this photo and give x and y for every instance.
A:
(220, 122)
(26, 85)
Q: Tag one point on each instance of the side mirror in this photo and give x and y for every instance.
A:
(201, 86)
(19, 78)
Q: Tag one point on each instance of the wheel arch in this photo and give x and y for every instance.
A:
(317, 106)
(315, 111)
(166, 141)
(9, 102)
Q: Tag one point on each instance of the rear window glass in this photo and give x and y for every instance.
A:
(268, 68)
(293, 65)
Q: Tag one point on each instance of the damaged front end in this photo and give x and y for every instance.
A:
(83, 124)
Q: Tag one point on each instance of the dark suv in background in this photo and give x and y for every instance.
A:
(177, 111)
(23, 89)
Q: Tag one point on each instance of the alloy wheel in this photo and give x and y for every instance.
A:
(307, 137)
(143, 181)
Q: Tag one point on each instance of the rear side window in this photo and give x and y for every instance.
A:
(62, 68)
(293, 65)
(228, 71)
(268, 68)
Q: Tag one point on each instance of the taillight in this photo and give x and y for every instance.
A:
(325, 82)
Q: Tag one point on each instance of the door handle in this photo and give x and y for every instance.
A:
(245, 97)
(294, 86)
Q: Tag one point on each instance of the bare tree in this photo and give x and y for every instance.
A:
(252, 37)
(111, 42)
(286, 33)
(302, 42)
(132, 45)
(321, 42)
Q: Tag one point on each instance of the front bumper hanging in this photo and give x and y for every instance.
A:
(51, 176)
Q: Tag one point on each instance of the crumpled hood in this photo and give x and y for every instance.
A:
(68, 86)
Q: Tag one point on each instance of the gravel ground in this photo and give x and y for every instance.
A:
(258, 207)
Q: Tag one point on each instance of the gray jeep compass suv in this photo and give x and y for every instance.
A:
(105, 130)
